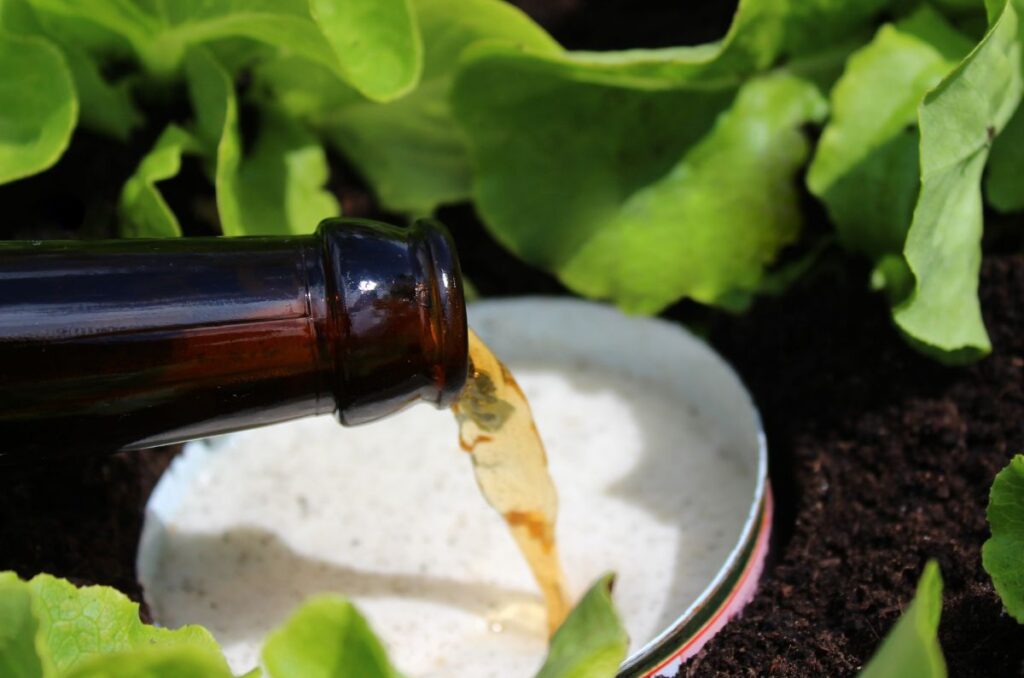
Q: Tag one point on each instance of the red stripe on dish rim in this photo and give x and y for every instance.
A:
(747, 585)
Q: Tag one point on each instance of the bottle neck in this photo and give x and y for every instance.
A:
(128, 344)
(399, 320)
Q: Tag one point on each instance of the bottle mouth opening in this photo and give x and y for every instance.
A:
(449, 324)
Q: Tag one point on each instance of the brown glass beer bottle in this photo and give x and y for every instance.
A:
(127, 344)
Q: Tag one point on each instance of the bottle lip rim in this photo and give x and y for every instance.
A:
(450, 321)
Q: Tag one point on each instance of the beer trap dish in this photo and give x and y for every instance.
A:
(659, 462)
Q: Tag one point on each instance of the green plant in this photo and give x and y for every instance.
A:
(686, 185)
(641, 176)
(51, 629)
(1003, 554)
(912, 646)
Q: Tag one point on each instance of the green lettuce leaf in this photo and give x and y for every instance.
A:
(639, 196)
(277, 187)
(78, 624)
(103, 106)
(912, 648)
(325, 638)
(1004, 182)
(410, 150)
(155, 662)
(50, 629)
(18, 630)
(142, 209)
(960, 6)
(160, 33)
(762, 33)
(38, 106)
(591, 643)
(900, 163)
(376, 42)
(556, 157)
(68, 30)
(958, 120)
(707, 229)
(385, 65)
(865, 168)
(100, 23)
(603, 167)
(1003, 554)
(216, 128)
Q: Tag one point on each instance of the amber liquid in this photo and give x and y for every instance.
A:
(496, 427)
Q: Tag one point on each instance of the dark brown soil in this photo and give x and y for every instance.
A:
(881, 459)
(79, 518)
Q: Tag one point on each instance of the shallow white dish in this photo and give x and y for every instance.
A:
(653, 442)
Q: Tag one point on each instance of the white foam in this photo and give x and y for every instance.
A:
(388, 514)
